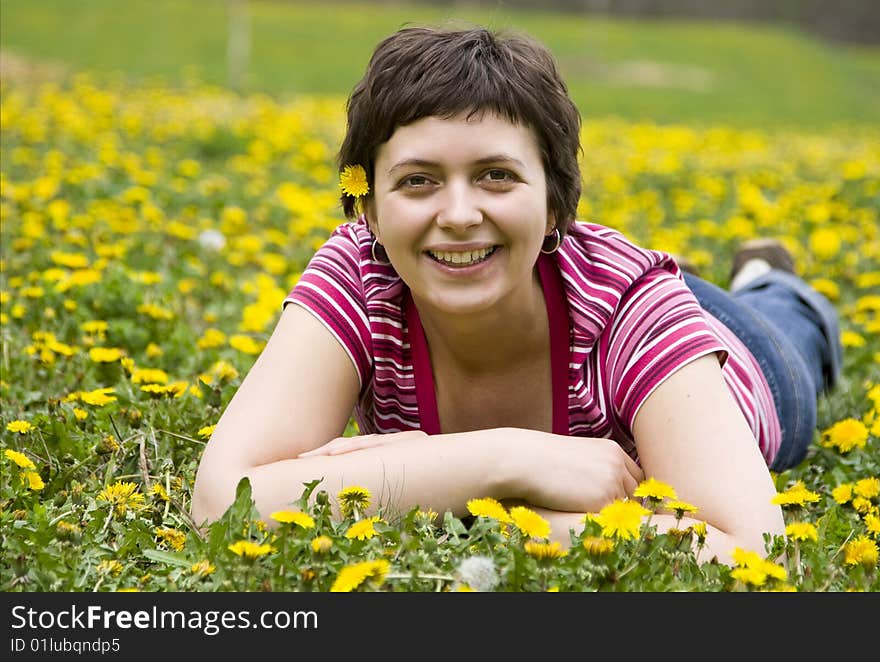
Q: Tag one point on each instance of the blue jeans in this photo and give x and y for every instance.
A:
(794, 335)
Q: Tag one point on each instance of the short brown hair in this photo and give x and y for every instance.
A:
(442, 72)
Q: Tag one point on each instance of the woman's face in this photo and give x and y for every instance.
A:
(461, 208)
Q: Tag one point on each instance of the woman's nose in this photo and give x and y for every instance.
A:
(459, 207)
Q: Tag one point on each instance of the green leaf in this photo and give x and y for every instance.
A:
(167, 558)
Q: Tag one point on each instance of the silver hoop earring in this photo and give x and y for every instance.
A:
(558, 243)
(373, 252)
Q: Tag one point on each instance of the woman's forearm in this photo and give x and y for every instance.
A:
(440, 473)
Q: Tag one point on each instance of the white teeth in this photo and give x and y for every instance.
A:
(466, 257)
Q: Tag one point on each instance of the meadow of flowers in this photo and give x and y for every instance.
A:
(149, 235)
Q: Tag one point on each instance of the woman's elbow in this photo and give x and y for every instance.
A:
(213, 493)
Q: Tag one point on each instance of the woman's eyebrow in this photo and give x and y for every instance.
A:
(422, 163)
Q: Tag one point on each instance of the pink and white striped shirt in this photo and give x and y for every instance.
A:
(632, 322)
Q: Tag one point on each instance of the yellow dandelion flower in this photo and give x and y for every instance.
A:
(80, 414)
(206, 431)
(545, 551)
(362, 529)
(202, 568)
(529, 522)
(321, 544)
(680, 507)
(149, 376)
(488, 507)
(353, 576)
(245, 344)
(796, 495)
(172, 537)
(802, 531)
(158, 490)
(303, 520)
(872, 523)
(852, 339)
(20, 459)
(861, 551)
(249, 550)
(845, 435)
(353, 181)
(827, 287)
(99, 397)
(353, 498)
(843, 493)
(749, 576)
(597, 546)
(867, 487)
(34, 481)
(110, 567)
(122, 495)
(654, 490)
(105, 354)
(622, 519)
(862, 505)
(21, 427)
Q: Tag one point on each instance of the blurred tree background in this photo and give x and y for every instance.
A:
(784, 63)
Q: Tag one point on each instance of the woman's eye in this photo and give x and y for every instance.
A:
(496, 175)
(415, 181)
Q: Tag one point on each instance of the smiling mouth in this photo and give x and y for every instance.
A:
(462, 258)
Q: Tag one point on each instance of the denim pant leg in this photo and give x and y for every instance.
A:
(789, 377)
(809, 320)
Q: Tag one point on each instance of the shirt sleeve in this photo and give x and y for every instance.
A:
(659, 327)
(331, 288)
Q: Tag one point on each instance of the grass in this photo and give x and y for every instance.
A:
(662, 71)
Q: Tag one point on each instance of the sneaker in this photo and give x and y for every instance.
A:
(756, 257)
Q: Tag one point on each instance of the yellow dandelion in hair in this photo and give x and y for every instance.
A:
(529, 522)
(488, 507)
(622, 519)
(353, 576)
(22, 427)
(301, 519)
(20, 459)
(353, 181)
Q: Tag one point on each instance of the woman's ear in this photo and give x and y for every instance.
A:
(551, 224)
(368, 207)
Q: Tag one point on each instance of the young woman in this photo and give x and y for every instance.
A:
(490, 344)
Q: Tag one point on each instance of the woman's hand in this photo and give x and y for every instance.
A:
(342, 445)
(571, 474)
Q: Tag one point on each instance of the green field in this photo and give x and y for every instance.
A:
(666, 71)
